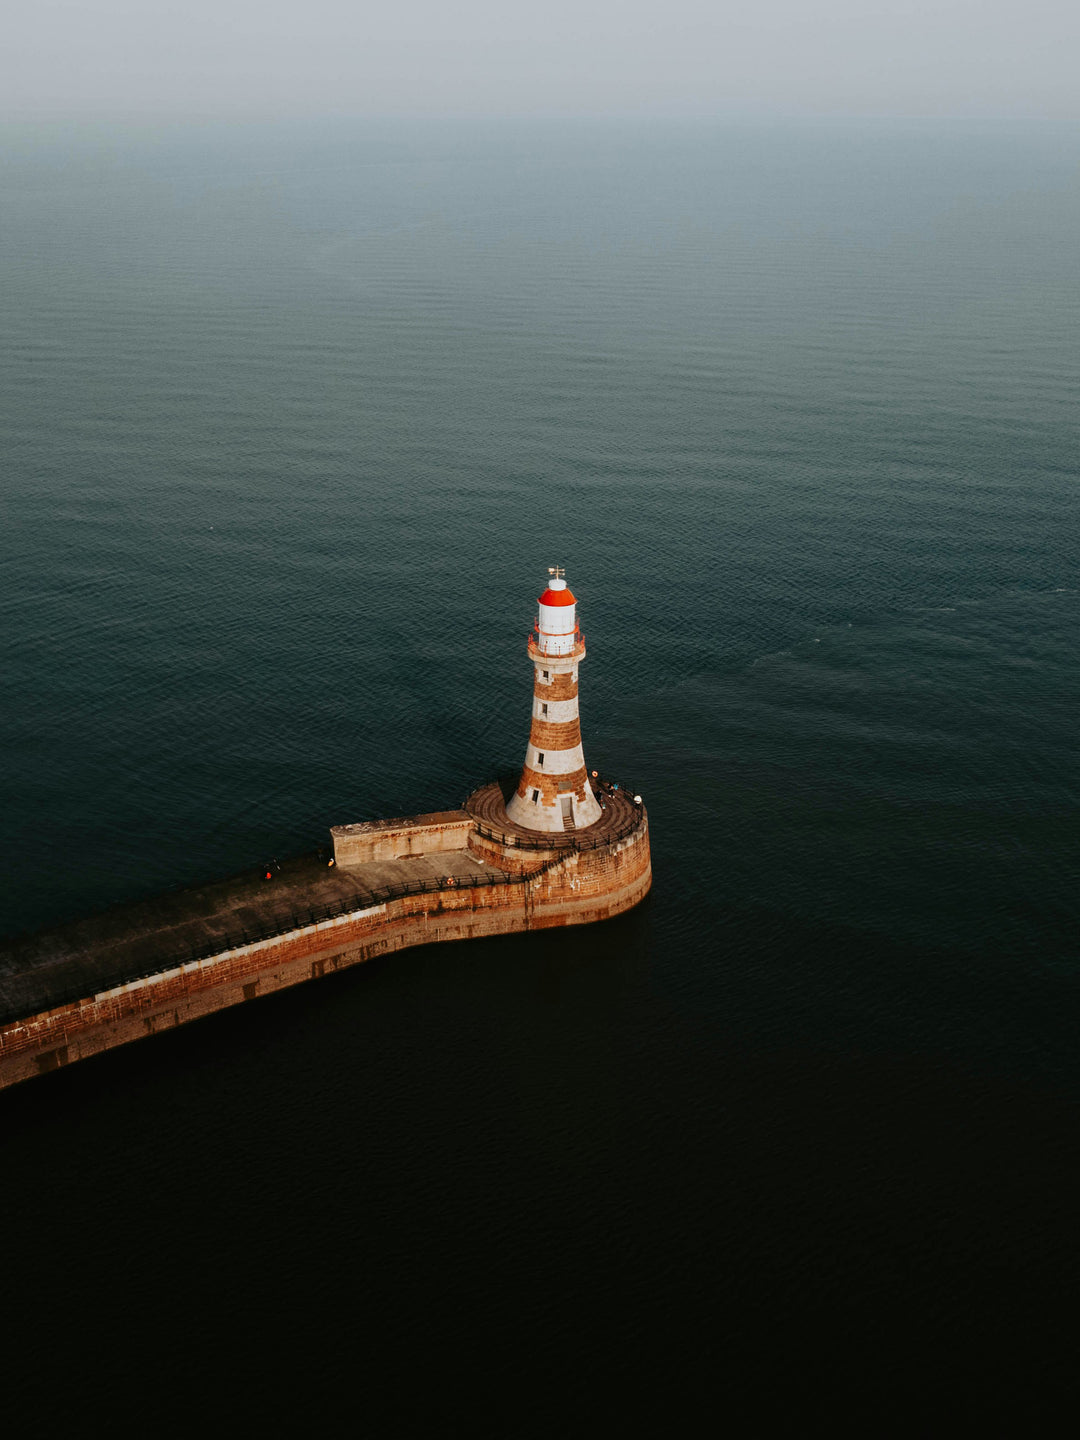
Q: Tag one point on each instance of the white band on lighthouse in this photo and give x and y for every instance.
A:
(554, 793)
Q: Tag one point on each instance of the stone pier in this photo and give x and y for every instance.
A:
(75, 991)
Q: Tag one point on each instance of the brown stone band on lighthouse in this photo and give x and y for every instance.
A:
(74, 991)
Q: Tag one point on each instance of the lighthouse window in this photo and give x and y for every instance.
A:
(539, 757)
(536, 797)
(543, 709)
(545, 674)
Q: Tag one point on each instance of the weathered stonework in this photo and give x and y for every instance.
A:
(549, 735)
(552, 793)
(445, 830)
(501, 883)
(559, 687)
(551, 786)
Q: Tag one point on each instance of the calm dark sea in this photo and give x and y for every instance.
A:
(294, 418)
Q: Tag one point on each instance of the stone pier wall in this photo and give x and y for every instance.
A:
(574, 888)
(373, 840)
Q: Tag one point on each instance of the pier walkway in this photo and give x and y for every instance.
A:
(57, 966)
(127, 942)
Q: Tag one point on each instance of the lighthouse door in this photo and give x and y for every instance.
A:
(567, 802)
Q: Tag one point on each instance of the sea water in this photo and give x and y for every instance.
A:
(295, 418)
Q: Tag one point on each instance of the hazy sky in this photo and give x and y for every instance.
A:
(288, 57)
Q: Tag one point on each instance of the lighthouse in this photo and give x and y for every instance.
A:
(554, 793)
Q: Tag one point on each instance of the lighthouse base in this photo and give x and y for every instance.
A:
(549, 809)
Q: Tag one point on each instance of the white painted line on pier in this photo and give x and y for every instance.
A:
(209, 961)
